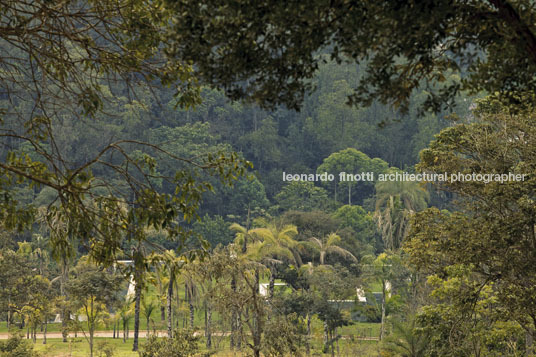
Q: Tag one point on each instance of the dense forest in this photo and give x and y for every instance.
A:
(145, 194)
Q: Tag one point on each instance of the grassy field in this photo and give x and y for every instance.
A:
(350, 345)
(80, 348)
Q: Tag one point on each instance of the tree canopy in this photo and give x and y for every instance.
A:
(268, 51)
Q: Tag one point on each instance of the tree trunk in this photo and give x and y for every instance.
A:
(335, 190)
(91, 343)
(137, 302)
(326, 337)
(190, 304)
(337, 337)
(169, 316)
(124, 332)
(115, 325)
(382, 326)
(8, 320)
(529, 343)
(91, 322)
(233, 317)
(308, 339)
(332, 344)
(162, 313)
(272, 284)
(257, 326)
(239, 330)
(209, 323)
(65, 313)
(45, 332)
(191, 314)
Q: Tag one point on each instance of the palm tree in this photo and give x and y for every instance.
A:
(329, 245)
(243, 236)
(276, 242)
(405, 342)
(125, 314)
(148, 306)
(396, 202)
(158, 279)
(190, 293)
(173, 264)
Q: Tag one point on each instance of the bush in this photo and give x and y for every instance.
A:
(184, 344)
(105, 349)
(15, 346)
(283, 336)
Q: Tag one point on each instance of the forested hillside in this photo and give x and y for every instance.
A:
(165, 177)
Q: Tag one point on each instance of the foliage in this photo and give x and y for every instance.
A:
(93, 291)
(396, 202)
(406, 340)
(111, 183)
(15, 346)
(483, 250)
(351, 161)
(105, 349)
(329, 245)
(467, 318)
(214, 230)
(183, 344)
(301, 196)
(311, 224)
(357, 229)
(283, 336)
(404, 46)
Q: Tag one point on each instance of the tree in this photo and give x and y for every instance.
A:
(267, 52)
(15, 346)
(14, 269)
(406, 341)
(243, 236)
(126, 312)
(276, 241)
(329, 245)
(149, 306)
(383, 268)
(331, 285)
(93, 291)
(213, 230)
(38, 305)
(396, 202)
(311, 224)
(173, 265)
(301, 196)
(491, 233)
(245, 196)
(183, 344)
(48, 85)
(359, 225)
(239, 293)
(463, 317)
(351, 161)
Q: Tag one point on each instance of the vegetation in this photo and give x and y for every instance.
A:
(149, 204)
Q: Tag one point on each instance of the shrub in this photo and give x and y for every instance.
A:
(283, 336)
(15, 346)
(184, 344)
(105, 349)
